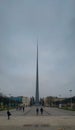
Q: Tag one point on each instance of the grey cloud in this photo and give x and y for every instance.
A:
(53, 22)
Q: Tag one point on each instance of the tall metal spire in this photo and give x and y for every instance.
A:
(37, 81)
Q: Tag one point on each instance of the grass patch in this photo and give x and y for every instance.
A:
(3, 109)
(66, 108)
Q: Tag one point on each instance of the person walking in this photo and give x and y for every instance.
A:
(41, 110)
(37, 111)
(23, 109)
(8, 114)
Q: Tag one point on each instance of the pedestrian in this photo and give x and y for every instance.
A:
(41, 110)
(8, 114)
(23, 109)
(37, 111)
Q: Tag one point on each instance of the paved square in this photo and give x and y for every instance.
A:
(52, 119)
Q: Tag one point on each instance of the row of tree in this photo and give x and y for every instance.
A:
(8, 102)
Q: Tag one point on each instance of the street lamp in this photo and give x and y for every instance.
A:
(9, 100)
(60, 100)
(71, 97)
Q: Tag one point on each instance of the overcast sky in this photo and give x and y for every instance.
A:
(52, 22)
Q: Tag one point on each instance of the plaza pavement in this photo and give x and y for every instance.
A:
(28, 121)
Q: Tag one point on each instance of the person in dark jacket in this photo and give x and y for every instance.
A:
(23, 109)
(37, 111)
(8, 114)
(41, 110)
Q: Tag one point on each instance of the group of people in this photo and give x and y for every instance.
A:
(41, 111)
(20, 108)
(37, 112)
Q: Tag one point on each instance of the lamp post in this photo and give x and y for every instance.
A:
(71, 97)
(9, 100)
(60, 101)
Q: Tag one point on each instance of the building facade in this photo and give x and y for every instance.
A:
(26, 101)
